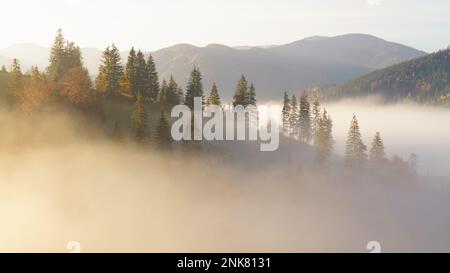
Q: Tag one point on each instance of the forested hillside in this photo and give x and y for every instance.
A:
(425, 80)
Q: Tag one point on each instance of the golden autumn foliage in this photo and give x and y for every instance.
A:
(76, 87)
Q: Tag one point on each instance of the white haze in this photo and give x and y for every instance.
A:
(59, 185)
(405, 129)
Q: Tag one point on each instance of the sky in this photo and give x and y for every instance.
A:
(154, 24)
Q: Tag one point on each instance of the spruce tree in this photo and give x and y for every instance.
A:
(251, 100)
(172, 94)
(163, 136)
(213, 98)
(55, 68)
(377, 153)
(15, 84)
(153, 82)
(162, 92)
(110, 71)
(286, 113)
(194, 88)
(305, 118)
(315, 116)
(355, 150)
(323, 138)
(141, 76)
(128, 83)
(139, 119)
(240, 95)
(294, 118)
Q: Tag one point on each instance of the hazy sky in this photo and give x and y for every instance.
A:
(152, 24)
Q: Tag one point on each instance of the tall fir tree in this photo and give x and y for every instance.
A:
(315, 116)
(64, 56)
(110, 72)
(163, 136)
(323, 138)
(294, 118)
(141, 76)
(194, 88)
(153, 81)
(355, 150)
(139, 120)
(15, 84)
(251, 100)
(305, 118)
(128, 82)
(213, 98)
(172, 96)
(162, 92)
(286, 113)
(240, 95)
(377, 153)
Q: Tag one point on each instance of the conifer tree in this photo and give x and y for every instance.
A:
(163, 136)
(240, 95)
(251, 95)
(15, 84)
(286, 113)
(64, 56)
(194, 88)
(162, 92)
(141, 76)
(323, 138)
(117, 132)
(128, 83)
(172, 93)
(294, 118)
(377, 153)
(213, 98)
(139, 119)
(110, 71)
(315, 116)
(153, 82)
(355, 150)
(305, 118)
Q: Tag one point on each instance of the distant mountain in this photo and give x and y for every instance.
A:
(273, 69)
(425, 80)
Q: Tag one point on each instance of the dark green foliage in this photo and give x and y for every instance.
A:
(286, 113)
(64, 55)
(139, 120)
(163, 136)
(251, 96)
(213, 98)
(110, 72)
(141, 76)
(15, 84)
(153, 82)
(128, 83)
(355, 150)
(240, 95)
(425, 80)
(194, 88)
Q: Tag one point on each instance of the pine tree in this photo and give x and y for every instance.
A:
(377, 153)
(213, 98)
(110, 71)
(64, 56)
(294, 118)
(162, 92)
(15, 84)
(172, 94)
(141, 76)
(153, 82)
(240, 95)
(139, 119)
(305, 118)
(251, 100)
(286, 113)
(163, 136)
(323, 138)
(355, 150)
(128, 82)
(117, 133)
(315, 116)
(194, 88)
(55, 68)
